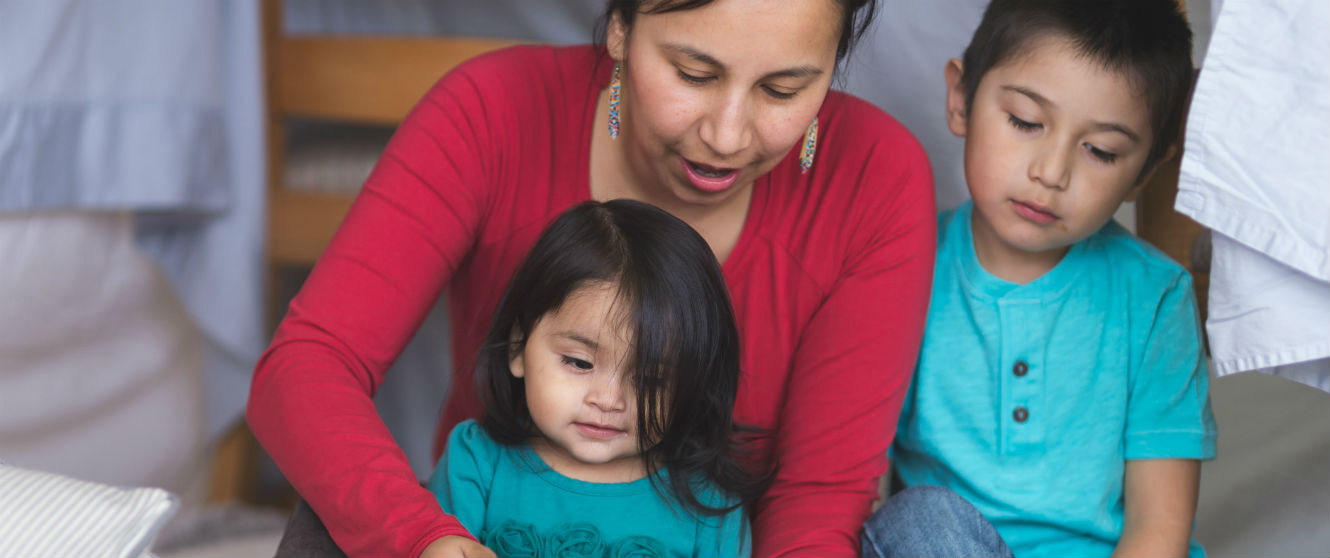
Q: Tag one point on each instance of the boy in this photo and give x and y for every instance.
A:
(1062, 388)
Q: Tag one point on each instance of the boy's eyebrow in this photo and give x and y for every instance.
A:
(1112, 127)
(1104, 126)
(579, 338)
(794, 72)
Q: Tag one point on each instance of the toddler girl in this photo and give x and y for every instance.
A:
(608, 380)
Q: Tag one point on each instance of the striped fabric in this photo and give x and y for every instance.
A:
(43, 514)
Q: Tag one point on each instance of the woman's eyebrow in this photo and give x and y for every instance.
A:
(794, 72)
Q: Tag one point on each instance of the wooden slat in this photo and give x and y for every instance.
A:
(365, 79)
(302, 223)
(235, 473)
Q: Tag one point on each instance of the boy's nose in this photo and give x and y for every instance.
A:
(1051, 168)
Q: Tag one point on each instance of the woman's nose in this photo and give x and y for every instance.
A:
(726, 129)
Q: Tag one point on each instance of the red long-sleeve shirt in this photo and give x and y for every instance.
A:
(829, 278)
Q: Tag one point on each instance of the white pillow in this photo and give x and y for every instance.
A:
(44, 514)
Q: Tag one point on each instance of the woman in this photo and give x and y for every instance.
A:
(818, 205)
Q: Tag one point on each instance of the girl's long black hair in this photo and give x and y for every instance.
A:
(685, 358)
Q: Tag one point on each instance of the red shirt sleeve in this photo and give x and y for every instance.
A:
(856, 355)
(310, 402)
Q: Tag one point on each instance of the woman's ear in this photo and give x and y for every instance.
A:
(616, 37)
(955, 97)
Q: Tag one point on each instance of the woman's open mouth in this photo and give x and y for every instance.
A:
(708, 178)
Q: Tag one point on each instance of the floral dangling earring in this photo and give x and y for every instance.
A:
(809, 148)
(614, 102)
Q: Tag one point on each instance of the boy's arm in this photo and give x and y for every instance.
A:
(1160, 500)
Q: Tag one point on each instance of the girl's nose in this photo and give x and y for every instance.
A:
(607, 394)
(727, 128)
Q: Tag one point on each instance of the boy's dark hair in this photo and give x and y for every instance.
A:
(1147, 40)
(685, 359)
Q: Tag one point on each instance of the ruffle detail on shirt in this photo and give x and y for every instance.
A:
(513, 539)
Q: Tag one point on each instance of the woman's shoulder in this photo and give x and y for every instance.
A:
(861, 126)
(516, 64)
(866, 163)
(520, 86)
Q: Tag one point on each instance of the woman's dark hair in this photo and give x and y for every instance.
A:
(1147, 40)
(856, 16)
(685, 358)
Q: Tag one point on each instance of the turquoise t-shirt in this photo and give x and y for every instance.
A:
(1029, 399)
(518, 506)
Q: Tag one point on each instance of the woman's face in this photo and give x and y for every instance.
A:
(716, 96)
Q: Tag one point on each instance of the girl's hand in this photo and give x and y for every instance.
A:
(455, 546)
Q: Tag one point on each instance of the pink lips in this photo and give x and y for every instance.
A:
(598, 431)
(711, 184)
(1034, 212)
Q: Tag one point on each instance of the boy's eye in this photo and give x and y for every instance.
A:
(696, 80)
(1023, 125)
(1101, 154)
(577, 363)
(778, 94)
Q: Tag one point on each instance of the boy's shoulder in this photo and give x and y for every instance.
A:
(1128, 256)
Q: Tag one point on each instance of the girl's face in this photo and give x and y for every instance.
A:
(716, 96)
(577, 390)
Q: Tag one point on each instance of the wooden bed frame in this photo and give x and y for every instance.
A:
(352, 79)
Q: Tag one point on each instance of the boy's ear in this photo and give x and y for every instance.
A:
(955, 97)
(616, 37)
(1135, 191)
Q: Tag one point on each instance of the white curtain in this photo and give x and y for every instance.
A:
(1255, 171)
(128, 128)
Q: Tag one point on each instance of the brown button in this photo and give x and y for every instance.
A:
(1020, 369)
(1021, 414)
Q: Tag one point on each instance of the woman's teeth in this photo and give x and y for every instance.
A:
(710, 172)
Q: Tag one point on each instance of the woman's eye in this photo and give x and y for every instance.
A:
(778, 94)
(577, 363)
(1101, 154)
(697, 80)
(1022, 125)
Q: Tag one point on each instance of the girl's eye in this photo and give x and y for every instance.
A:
(778, 94)
(1023, 125)
(696, 80)
(577, 363)
(1101, 154)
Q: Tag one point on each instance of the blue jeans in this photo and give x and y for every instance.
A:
(926, 521)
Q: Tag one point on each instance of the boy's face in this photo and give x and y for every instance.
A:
(1054, 144)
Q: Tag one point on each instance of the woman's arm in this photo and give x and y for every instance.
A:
(1160, 498)
(854, 362)
(310, 401)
